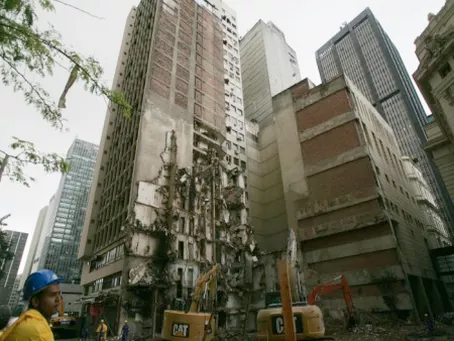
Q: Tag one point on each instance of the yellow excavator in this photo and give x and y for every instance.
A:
(194, 325)
(279, 307)
(64, 326)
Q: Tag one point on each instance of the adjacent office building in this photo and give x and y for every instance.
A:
(32, 252)
(235, 146)
(435, 79)
(15, 296)
(269, 66)
(59, 227)
(368, 227)
(364, 52)
(16, 244)
(166, 201)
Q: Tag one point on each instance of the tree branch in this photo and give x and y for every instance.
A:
(66, 54)
(78, 9)
(32, 87)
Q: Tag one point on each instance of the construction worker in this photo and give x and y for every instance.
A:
(102, 331)
(42, 291)
(125, 331)
(84, 333)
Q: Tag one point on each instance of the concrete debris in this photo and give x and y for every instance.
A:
(142, 275)
(387, 329)
(447, 319)
(186, 220)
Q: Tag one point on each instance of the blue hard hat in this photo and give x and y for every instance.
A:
(38, 281)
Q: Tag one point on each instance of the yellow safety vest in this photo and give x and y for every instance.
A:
(30, 326)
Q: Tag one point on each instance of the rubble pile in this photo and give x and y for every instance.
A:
(388, 329)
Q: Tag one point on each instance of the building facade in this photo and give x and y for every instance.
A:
(364, 52)
(235, 145)
(60, 234)
(33, 246)
(368, 227)
(166, 204)
(438, 234)
(269, 66)
(435, 79)
(15, 296)
(16, 244)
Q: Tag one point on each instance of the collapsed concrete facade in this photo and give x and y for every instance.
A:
(165, 205)
(329, 165)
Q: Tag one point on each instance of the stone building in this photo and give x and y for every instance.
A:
(342, 183)
(438, 234)
(435, 79)
(165, 204)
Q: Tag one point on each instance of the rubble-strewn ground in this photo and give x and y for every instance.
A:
(392, 330)
(382, 330)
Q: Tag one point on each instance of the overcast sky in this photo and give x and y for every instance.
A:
(306, 24)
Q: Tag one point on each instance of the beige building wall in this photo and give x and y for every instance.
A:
(343, 188)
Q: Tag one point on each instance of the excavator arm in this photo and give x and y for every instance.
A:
(206, 283)
(194, 325)
(331, 286)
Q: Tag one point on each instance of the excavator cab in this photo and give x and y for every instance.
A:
(270, 322)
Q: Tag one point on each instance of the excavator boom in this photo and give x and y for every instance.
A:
(330, 286)
(193, 325)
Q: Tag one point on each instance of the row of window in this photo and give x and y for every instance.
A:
(407, 217)
(107, 258)
(236, 147)
(236, 161)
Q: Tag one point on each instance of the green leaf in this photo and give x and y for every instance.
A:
(27, 54)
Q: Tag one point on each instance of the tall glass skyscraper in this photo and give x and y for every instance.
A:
(66, 214)
(364, 52)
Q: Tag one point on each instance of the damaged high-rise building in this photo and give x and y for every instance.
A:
(330, 165)
(165, 203)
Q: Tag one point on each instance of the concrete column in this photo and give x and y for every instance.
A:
(436, 300)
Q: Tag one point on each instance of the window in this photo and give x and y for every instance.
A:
(444, 70)
(181, 250)
(180, 283)
(202, 248)
(191, 227)
(182, 225)
(190, 251)
(375, 142)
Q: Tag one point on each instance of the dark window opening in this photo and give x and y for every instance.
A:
(181, 250)
(180, 283)
(444, 70)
